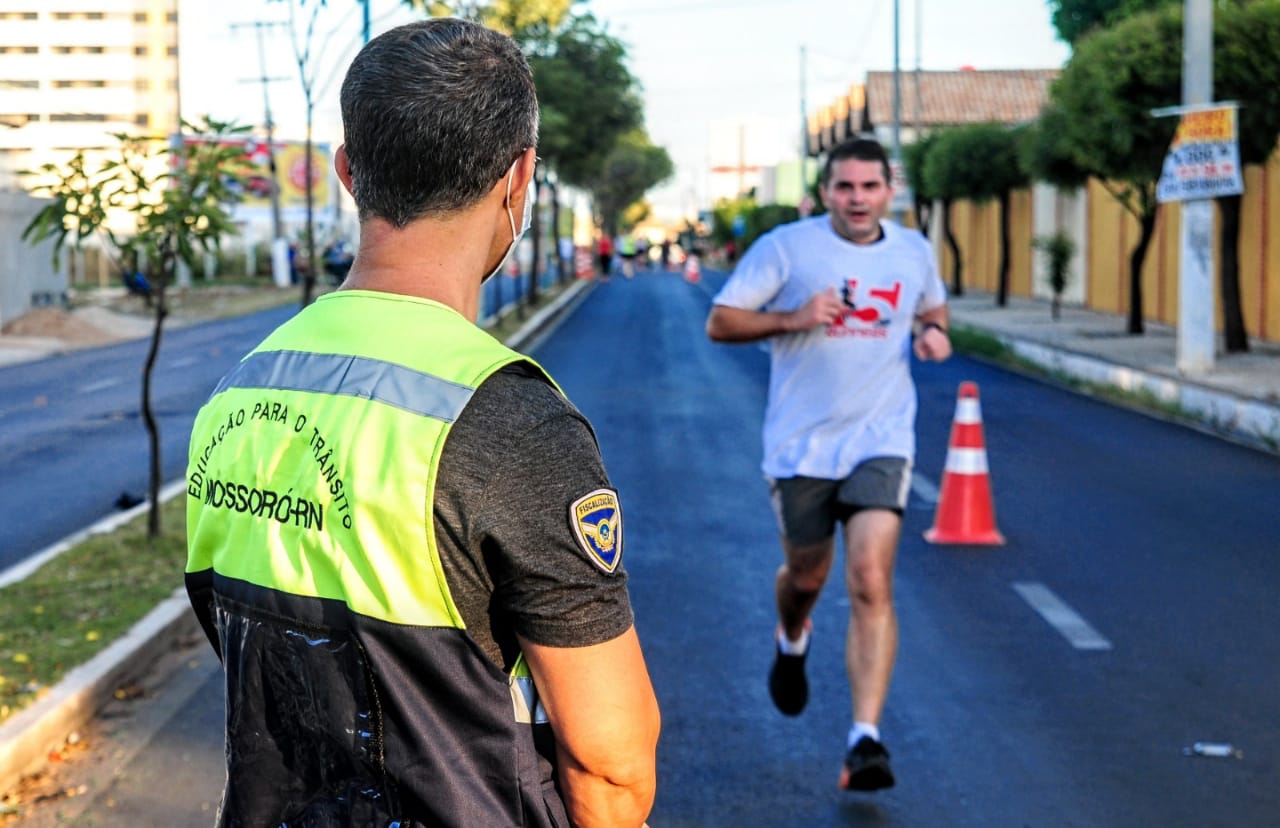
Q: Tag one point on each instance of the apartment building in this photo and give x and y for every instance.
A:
(74, 71)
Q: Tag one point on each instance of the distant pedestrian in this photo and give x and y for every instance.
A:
(627, 249)
(604, 254)
(839, 297)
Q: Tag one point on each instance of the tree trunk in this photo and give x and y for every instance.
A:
(922, 207)
(148, 417)
(957, 287)
(309, 275)
(1235, 338)
(563, 270)
(1002, 283)
(1147, 221)
(536, 229)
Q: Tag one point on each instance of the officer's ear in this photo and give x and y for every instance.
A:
(343, 167)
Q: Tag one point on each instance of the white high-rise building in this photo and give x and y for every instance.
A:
(74, 71)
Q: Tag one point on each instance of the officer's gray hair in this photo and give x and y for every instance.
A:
(434, 113)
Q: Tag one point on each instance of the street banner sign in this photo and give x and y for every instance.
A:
(1204, 157)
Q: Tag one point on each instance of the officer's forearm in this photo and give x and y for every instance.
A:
(608, 802)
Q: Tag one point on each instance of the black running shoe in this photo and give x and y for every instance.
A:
(787, 684)
(866, 767)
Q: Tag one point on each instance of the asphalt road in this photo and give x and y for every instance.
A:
(1054, 681)
(72, 439)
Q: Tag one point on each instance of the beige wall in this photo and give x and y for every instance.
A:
(25, 271)
(1105, 234)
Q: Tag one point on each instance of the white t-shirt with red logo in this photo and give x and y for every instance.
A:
(841, 394)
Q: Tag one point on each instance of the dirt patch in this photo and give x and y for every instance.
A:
(56, 323)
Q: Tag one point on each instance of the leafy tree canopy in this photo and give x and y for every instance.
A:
(1106, 94)
(1073, 19)
(978, 162)
(913, 157)
(515, 17)
(633, 167)
(588, 99)
(1045, 154)
(1246, 69)
(180, 198)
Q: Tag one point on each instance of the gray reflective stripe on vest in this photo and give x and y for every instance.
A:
(524, 697)
(353, 376)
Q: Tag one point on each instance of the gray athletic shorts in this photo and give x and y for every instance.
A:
(808, 508)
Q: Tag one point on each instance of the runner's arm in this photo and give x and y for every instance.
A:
(605, 717)
(933, 342)
(729, 324)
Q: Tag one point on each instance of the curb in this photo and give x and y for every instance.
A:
(27, 738)
(1219, 413)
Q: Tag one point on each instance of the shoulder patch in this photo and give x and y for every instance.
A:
(595, 519)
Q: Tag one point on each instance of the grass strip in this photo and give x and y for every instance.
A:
(80, 602)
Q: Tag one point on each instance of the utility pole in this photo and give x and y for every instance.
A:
(277, 230)
(919, 41)
(1195, 279)
(897, 89)
(804, 117)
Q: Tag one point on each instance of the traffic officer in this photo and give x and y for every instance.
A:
(403, 542)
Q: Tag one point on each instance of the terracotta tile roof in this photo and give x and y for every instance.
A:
(969, 96)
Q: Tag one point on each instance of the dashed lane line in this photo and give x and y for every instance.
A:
(1061, 617)
(100, 385)
(924, 489)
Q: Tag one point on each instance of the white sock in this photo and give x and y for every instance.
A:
(861, 729)
(798, 647)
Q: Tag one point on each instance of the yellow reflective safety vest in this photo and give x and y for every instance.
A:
(354, 694)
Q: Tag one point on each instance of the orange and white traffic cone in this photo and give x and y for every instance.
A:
(965, 512)
(692, 269)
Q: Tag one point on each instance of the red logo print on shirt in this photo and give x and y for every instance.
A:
(867, 315)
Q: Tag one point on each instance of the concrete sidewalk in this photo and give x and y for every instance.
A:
(1238, 399)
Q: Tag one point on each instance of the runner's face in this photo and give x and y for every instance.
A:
(857, 197)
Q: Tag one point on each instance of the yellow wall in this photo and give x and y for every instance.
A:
(1113, 232)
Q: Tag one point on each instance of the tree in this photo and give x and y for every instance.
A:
(913, 156)
(939, 177)
(980, 163)
(301, 39)
(1106, 94)
(514, 17)
(1058, 249)
(633, 167)
(179, 199)
(588, 99)
(1246, 69)
(1073, 19)
(1045, 153)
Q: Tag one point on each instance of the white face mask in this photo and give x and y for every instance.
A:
(526, 220)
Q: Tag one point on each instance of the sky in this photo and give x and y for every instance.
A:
(703, 65)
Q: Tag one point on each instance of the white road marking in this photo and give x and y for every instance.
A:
(183, 363)
(100, 385)
(1061, 617)
(924, 489)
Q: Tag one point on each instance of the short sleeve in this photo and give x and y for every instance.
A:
(516, 461)
(934, 291)
(759, 277)
(557, 591)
